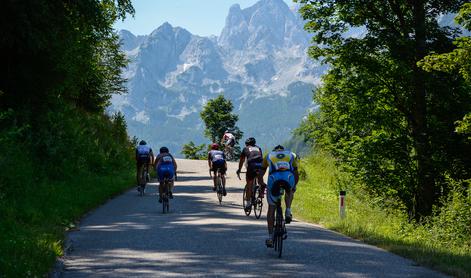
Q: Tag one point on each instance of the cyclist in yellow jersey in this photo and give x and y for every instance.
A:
(282, 175)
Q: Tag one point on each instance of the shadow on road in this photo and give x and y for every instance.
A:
(199, 238)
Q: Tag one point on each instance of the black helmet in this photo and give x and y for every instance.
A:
(250, 141)
(164, 150)
(279, 148)
(142, 142)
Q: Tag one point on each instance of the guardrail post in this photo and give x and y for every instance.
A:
(342, 204)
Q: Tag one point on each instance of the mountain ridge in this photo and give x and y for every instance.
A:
(173, 73)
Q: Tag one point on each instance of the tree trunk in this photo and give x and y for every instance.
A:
(425, 191)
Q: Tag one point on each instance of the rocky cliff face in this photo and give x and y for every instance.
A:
(259, 61)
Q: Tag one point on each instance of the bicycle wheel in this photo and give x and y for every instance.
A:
(279, 231)
(142, 180)
(165, 203)
(219, 188)
(244, 203)
(258, 206)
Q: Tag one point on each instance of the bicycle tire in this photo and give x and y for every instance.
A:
(219, 187)
(279, 231)
(256, 200)
(244, 203)
(165, 201)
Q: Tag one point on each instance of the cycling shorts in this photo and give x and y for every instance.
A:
(219, 165)
(230, 142)
(166, 171)
(252, 168)
(277, 183)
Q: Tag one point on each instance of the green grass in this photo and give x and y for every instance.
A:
(34, 218)
(316, 201)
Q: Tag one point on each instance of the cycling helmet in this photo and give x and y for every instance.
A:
(279, 148)
(142, 142)
(250, 141)
(214, 146)
(164, 150)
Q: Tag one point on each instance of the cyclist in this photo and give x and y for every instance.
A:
(217, 160)
(283, 174)
(144, 157)
(253, 154)
(228, 140)
(165, 166)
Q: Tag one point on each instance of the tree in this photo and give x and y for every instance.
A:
(191, 151)
(218, 117)
(457, 61)
(387, 119)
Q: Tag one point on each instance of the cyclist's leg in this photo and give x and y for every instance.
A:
(270, 212)
(248, 188)
(289, 197)
(139, 167)
(223, 178)
(261, 182)
(161, 176)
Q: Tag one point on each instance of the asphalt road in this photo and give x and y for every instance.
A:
(130, 237)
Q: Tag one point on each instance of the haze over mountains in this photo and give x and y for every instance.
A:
(259, 61)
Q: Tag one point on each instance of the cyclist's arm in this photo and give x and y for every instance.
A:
(242, 160)
(209, 160)
(295, 168)
(174, 163)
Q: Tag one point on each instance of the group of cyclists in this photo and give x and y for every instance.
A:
(282, 168)
(164, 163)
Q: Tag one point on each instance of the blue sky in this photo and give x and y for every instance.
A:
(200, 17)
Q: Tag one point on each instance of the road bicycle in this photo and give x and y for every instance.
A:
(143, 179)
(279, 233)
(219, 185)
(165, 194)
(256, 199)
(229, 152)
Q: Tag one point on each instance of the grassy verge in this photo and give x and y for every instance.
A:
(317, 201)
(34, 218)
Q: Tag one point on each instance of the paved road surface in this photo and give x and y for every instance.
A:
(129, 236)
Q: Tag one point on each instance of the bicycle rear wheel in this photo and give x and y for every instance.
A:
(279, 231)
(244, 203)
(258, 205)
(219, 188)
(165, 201)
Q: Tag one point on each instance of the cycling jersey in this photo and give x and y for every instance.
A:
(279, 161)
(254, 158)
(229, 139)
(143, 152)
(217, 157)
(165, 166)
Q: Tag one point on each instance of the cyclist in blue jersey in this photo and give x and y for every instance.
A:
(165, 166)
(217, 160)
(282, 176)
(144, 157)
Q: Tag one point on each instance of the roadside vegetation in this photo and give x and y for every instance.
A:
(61, 153)
(442, 241)
(392, 128)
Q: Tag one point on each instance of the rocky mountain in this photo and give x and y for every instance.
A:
(259, 62)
